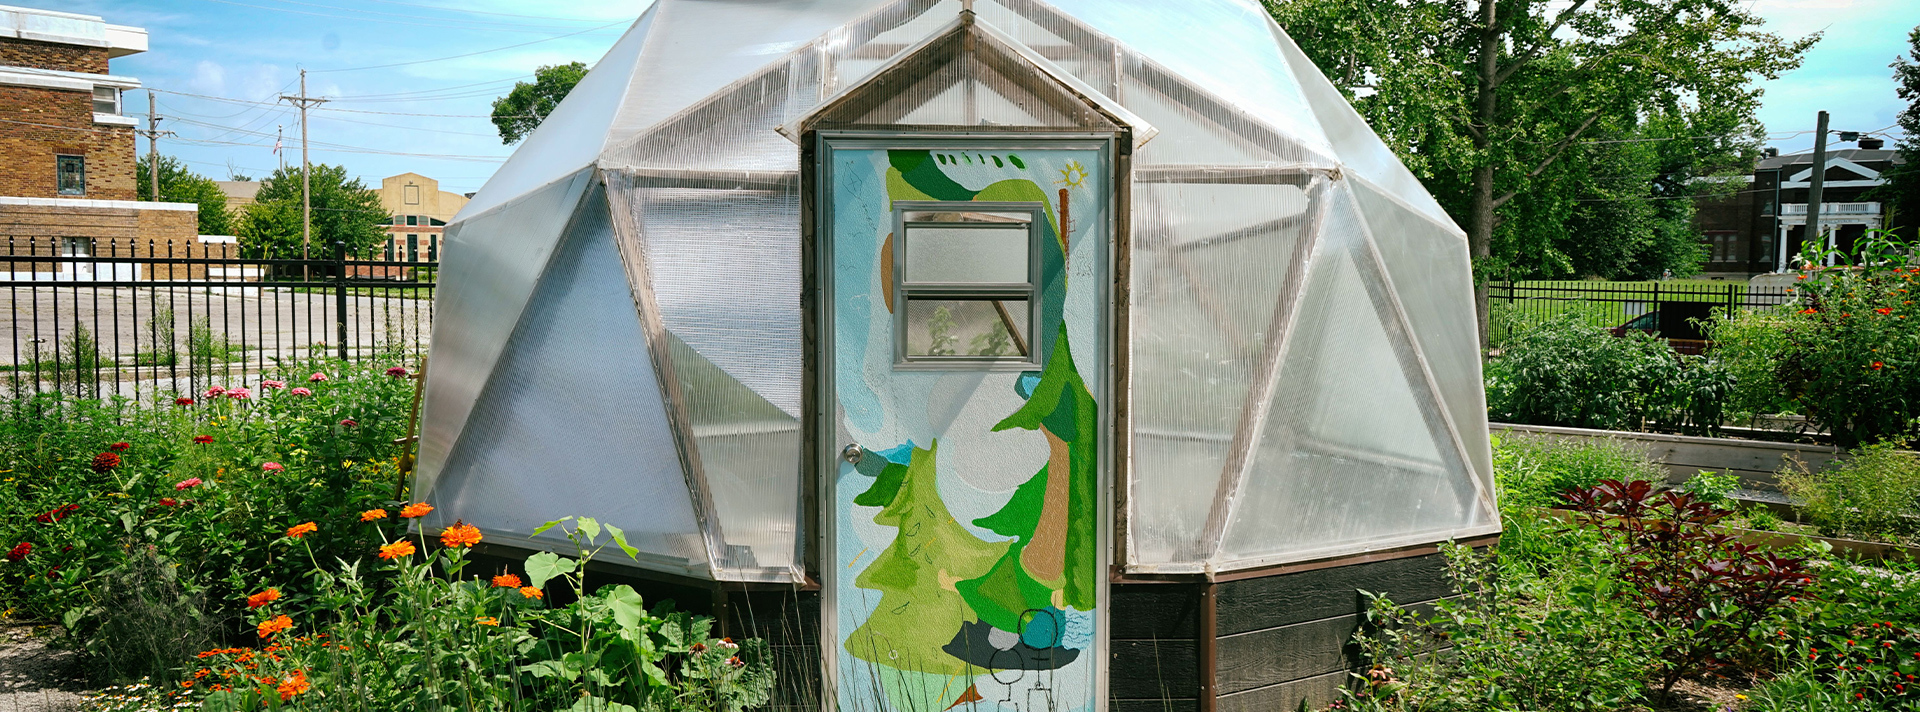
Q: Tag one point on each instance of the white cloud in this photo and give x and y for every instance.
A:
(208, 78)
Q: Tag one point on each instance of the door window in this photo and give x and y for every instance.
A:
(964, 282)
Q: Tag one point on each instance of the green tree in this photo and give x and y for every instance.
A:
(344, 210)
(1902, 191)
(1497, 106)
(180, 185)
(521, 110)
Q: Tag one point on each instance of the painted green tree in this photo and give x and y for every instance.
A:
(919, 609)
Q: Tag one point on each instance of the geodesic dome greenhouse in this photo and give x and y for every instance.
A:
(1001, 292)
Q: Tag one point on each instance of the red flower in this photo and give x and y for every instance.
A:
(203, 439)
(105, 461)
(1809, 311)
(397, 372)
(1883, 310)
(349, 423)
(1878, 365)
(20, 551)
(119, 447)
(168, 502)
(186, 484)
(183, 400)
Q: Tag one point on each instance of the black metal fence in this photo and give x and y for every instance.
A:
(96, 318)
(1666, 306)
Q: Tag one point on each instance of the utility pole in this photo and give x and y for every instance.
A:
(153, 134)
(1819, 180)
(306, 184)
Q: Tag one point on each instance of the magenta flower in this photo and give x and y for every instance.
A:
(301, 392)
(239, 394)
(273, 467)
(215, 391)
(349, 423)
(397, 372)
(186, 484)
(317, 378)
(273, 385)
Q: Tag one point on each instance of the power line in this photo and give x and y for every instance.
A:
(353, 111)
(470, 54)
(440, 24)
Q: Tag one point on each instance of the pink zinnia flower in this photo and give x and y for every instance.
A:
(239, 394)
(317, 378)
(273, 385)
(349, 423)
(183, 400)
(187, 484)
(397, 372)
(301, 392)
(273, 467)
(214, 391)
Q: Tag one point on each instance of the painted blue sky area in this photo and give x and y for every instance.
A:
(412, 81)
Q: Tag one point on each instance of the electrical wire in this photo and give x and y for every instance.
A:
(469, 54)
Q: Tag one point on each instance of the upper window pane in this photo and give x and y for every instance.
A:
(71, 174)
(976, 253)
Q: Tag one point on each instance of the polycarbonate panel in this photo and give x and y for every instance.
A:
(964, 78)
(572, 421)
(749, 452)
(973, 254)
(574, 134)
(725, 273)
(492, 261)
(1349, 456)
(1209, 266)
(1068, 43)
(1220, 46)
(1354, 142)
(1193, 133)
(734, 130)
(1433, 275)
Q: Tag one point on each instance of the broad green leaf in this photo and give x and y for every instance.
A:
(595, 704)
(628, 608)
(545, 566)
(548, 668)
(590, 527)
(542, 529)
(620, 537)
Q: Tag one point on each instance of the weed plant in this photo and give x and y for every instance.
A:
(1874, 494)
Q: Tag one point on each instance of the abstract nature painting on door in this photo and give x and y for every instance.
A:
(968, 356)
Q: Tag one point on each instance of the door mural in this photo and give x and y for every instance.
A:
(968, 358)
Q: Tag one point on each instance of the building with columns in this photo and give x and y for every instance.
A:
(1761, 227)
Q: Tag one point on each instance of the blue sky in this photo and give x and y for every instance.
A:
(432, 113)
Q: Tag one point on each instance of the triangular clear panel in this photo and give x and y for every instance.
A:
(1208, 272)
(572, 420)
(749, 452)
(1351, 455)
(1432, 273)
(962, 78)
(492, 262)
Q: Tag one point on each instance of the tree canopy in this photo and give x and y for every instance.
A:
(344, 210)
(178, 184)
(521, 110)
(1902, 191)
(1564, 137)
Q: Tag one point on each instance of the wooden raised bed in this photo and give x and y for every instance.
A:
(1684, 456)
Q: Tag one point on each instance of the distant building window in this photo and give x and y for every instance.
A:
(76, 247)
(413, 248)
(71, 173)
(412, 193)
(1723, 246)
(106, 100)
(413, 220)
(433, 248)
(389, 250)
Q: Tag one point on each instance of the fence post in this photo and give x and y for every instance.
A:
(340, 297)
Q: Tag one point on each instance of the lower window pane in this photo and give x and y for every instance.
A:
(979, 328)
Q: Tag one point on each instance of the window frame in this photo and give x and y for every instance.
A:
(59, 161)
(113, 99)
(1030, 290)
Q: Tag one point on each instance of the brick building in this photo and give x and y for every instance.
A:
(1744, 233)
(66, 142)
(420, 211)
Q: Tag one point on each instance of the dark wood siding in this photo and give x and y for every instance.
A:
(1153, 651)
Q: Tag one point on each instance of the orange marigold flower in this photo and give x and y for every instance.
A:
(1883, 311)
(373, 514)
(293, 685)
(396, 550)
(531, 592)
(275, 625)
(263, 598)
(417, 509)
(506, 581)
(459, 535)
(302, 529)
(487, 620)
(1809, 311)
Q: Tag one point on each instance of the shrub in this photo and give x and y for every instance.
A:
(1715, 488)
(1702, 592)
(1850, 641)
(1873, 494)
(1848, 356)
(1564, 371)
(1535, 471)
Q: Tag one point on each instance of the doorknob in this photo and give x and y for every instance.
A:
(851, 453)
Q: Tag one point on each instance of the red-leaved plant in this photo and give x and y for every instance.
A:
(1703, 590)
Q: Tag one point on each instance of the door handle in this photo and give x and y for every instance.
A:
(851, 453)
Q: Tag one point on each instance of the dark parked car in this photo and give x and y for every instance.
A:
(1679, 322)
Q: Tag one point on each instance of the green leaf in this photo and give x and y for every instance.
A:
(620, 537)
(549, 668)
(595, 704)
(590, 527)
(545, 566)
(628, 608)
(542, 529)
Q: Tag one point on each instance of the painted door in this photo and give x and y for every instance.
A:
(965, 363)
